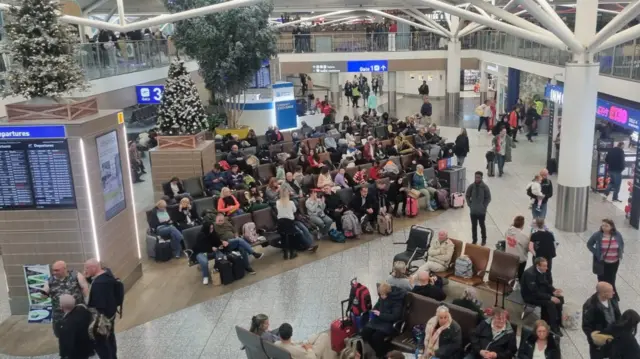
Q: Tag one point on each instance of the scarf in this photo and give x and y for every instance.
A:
(432, 338)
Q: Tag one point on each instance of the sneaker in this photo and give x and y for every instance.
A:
(258, 255)
(430, 209)
(205, 280)
(617, 200)
(250, 270)
(313, 249)
(484, 243)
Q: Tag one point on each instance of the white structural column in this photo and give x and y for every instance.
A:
(484, 82)
(452, 104)
(392, 96)
(334, 87)
(578, 123)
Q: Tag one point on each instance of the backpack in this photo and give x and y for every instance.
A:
(248, 180)
(118, 292)
(479, 111)
(249, 232)
(390, 167)
(330, 142)
(443, 198)
(464, 267)
(225, 165)
(253, 161)
(350, 225)
(100, 325)
(359, 298)
(337, 236)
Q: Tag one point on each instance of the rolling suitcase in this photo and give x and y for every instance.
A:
(163, 250)
(456, 177)
(491, 164)
(341, 329)
(151, 245)
(385, 224)
(237, 266)
(412, 207)
(225, 268)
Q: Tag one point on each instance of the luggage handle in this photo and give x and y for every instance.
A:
(344, 314)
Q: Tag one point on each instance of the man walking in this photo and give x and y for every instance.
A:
(484, 115)
(73, 329)
(615, 165)
(426, 110)
(547, 190)
(63, 282)
(478, 197)
(599, 312)
(103, 298)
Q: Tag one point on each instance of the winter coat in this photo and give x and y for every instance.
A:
(209, 183)
(536, 286)
(594, 245)
(462, 146)
(449, 342)
(624, 344)
(517, 243)
(372, 102)
(593, 317)
(478, 197)
(527, 346)
(73, 329)
(315, 208)
(420, 141)
(390, 310)
(504, 344)
(441, 252)
(418, 181)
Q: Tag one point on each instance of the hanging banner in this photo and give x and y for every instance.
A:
(40, 306)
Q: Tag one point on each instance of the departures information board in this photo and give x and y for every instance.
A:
(36, 174)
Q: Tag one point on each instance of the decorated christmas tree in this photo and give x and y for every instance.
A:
(180, 111)
(42, 52)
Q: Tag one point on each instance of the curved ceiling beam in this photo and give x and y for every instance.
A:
(427, 21)
(619, 21)
(408, 22)
(560, 30)
(311, 18)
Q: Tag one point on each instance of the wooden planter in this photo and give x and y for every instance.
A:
(72, 109)
(184, 141)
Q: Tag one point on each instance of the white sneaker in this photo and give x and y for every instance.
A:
(205, 280)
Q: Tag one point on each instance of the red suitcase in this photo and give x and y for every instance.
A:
(341, 329)
(412, 207)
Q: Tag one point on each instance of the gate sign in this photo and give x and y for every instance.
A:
(368, 66)
(149, 94)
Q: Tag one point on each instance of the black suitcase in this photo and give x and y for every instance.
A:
(225, 268)
(237, 266)
(552, 166)
(164, 252)
(491, 168)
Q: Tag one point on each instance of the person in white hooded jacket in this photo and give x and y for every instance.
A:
(439, 254)
(517, 243)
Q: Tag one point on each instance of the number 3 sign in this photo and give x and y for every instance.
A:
(149, 94)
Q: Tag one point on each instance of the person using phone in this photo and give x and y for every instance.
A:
(64, 281)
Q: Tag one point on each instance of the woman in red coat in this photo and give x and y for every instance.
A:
(513, 122)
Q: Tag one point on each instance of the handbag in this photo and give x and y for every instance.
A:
(414, 193)
(598, 265)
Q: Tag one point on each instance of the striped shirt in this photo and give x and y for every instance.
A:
(610, 255)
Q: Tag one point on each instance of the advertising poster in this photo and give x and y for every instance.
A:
(111, 174)
(40, 307)
(286, 116)
(634, 216)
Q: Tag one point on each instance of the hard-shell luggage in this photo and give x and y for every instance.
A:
(225, 268)
(455, 177)
(491, 168)
(457, 200)
(237, 265)
(412, 207)
(163, 250)
(385, 224)
(341, 329)
(151, 245)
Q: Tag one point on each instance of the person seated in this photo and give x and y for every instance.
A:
(334, 207)
(329, 142)
(421, 158)
(352, 150)
(493, 338)
(174, 191)
(254, 199)
(359, 178)
(228, 141)
(234, 178)
(429, 285)
(380, 152)
(205, 249)
(397, 194)
(469, 300)
(432, 136)
(439, 254)
(537, 289)
(280, 173)
(364, 206)
(542, 243)
(228, 240)
(276, 135)
(386, 311)
(375, 172)
(214, 180)
(316, 211)
(298, 175)
(228, 203)
(369, 152)
(540, 344)
(306, 130)
(399, 278)
(187, 216)
(294, 188)
(162, 224)
(316, 347)
(402, 145)
(340, 179)
(419, 183)
(252, 138)
(260, 327)
(272, 193)
(235, 157)
(443, 336)
(420, 139)
(350, 136)
(314, 161)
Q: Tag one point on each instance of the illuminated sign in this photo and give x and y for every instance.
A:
(368, 66)
(149, 94)
(23, 132)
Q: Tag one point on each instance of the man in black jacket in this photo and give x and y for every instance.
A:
(429, 286)
(537, 289)
(364, 206)
(334, 207)
(615, 165)
(102, 297)
(598, 313)
(547, 190)
(426, 110)
(493, 338)
(73, 330)
(424, 89)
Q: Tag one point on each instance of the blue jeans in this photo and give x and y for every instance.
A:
(305, 235)
(169, 230)
(500, 161)
(542, 213)
(241, 246)
(203, 261)
(614, 184)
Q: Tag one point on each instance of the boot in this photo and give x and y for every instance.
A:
(285, 247)
(292, 253)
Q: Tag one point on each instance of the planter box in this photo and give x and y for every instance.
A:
(184, 141)
(68, 110)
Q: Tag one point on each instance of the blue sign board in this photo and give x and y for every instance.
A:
(286, 116)
(26, 132)
(620, 115)
(368, 66)
(149, 94)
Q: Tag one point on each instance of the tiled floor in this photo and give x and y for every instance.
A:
(309, 297)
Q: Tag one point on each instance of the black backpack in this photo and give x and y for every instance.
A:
(118, 292)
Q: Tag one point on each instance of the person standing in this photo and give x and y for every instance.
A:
(426, 110)
(461, 148)
(478, 197)
(513, 122)
(599, 312)
(355, 94)
(64, 281)
(531, 118)
(624, 344)
(543, 243)
(348, 93)
(517, 243)
(485, 115)
(423, 90)
(374, 85)
(547, 190)
(501, 145)
(607, 247)
(103, 298)
(615, 165)
(74, 341)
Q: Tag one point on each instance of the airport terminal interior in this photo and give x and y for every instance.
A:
(430, 65)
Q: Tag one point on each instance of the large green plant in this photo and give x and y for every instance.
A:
(229, 47)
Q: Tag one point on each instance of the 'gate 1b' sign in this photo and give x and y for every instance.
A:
(336, 66)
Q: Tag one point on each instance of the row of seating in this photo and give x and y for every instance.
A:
(257, 348)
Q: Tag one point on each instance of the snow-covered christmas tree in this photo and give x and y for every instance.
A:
(180, 111)
(42, 51)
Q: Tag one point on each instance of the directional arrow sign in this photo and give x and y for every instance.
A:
(367, 66)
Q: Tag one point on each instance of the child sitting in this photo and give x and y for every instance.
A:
(534, 190)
